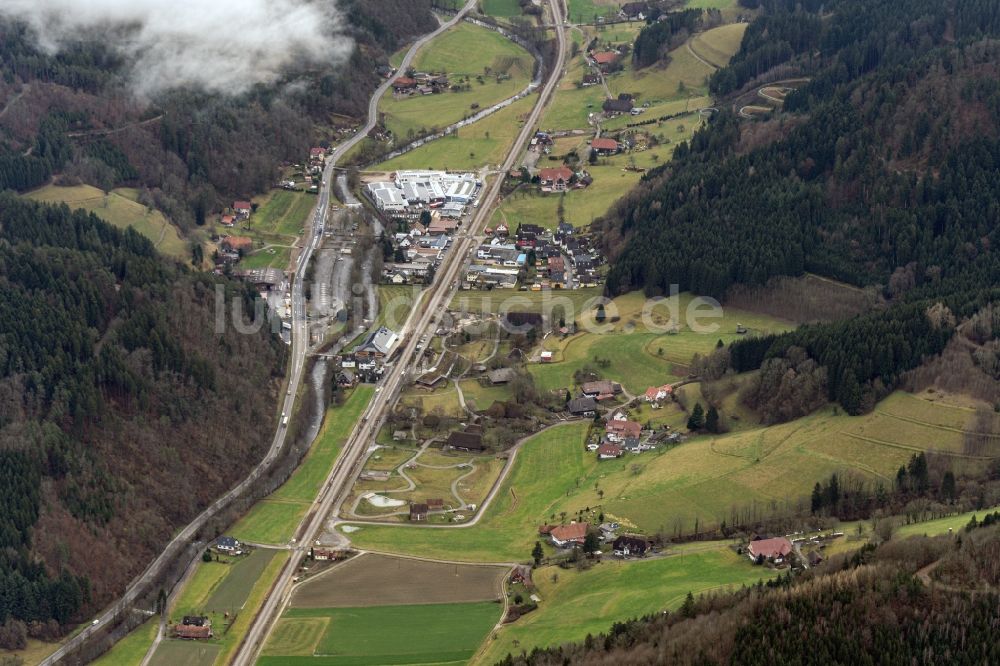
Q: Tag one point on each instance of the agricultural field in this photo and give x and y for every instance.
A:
(283, 212)
(502, 8)
(120, 208)
(464, 52)
(371, 579)
(130, 650)
(629, 364)
(577, 603)
(702, 480)
(362, 612)
(443, 634)
(233, 586)
(274, 519)
(185, 653)
(484, 142)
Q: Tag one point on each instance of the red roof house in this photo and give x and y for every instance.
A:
(602, 145)
(567, 535)
(556, 177)
(771, 549)
(620, 430)
(316, 152)
(605, 57)
(237, 243)
(404, 83)
(607, 450)
(192, 632)
(655, 393)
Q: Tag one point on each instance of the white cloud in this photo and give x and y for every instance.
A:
(223, 46)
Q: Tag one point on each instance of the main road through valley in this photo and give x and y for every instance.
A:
(425, 317)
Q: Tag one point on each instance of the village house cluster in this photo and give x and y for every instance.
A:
(366, 362)
(420, 83)
(536, 258)
(422, 210)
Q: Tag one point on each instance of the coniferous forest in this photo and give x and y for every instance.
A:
(110, 368)
(882, 169)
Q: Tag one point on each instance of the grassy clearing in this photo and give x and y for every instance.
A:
(337, 427)
(502, 8)
(444, 633)
(719, 45)
(442, 400)
(130, 650)
(276, 256)
(572, 103)
(283, 212)
(482, 143)
(484, 396)
(638, 357)
(395, 302)
(477, 301)
(120, 209)
(581, 11)
(464, 51)
(273, 520)
(710, 4)
(682, 76)
(941, 525)
(702, 480)
(578, 603)
(270, 522)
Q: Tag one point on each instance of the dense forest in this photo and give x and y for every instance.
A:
(881, 170)
(110, 366)
(190, 151)
(877, 606)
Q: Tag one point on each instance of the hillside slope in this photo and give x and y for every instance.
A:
(190, 152)
(880, 606)
(123, 411)
(880, 170)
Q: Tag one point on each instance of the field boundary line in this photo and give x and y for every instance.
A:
(915, 449)
(420, 558)
(937, 426)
